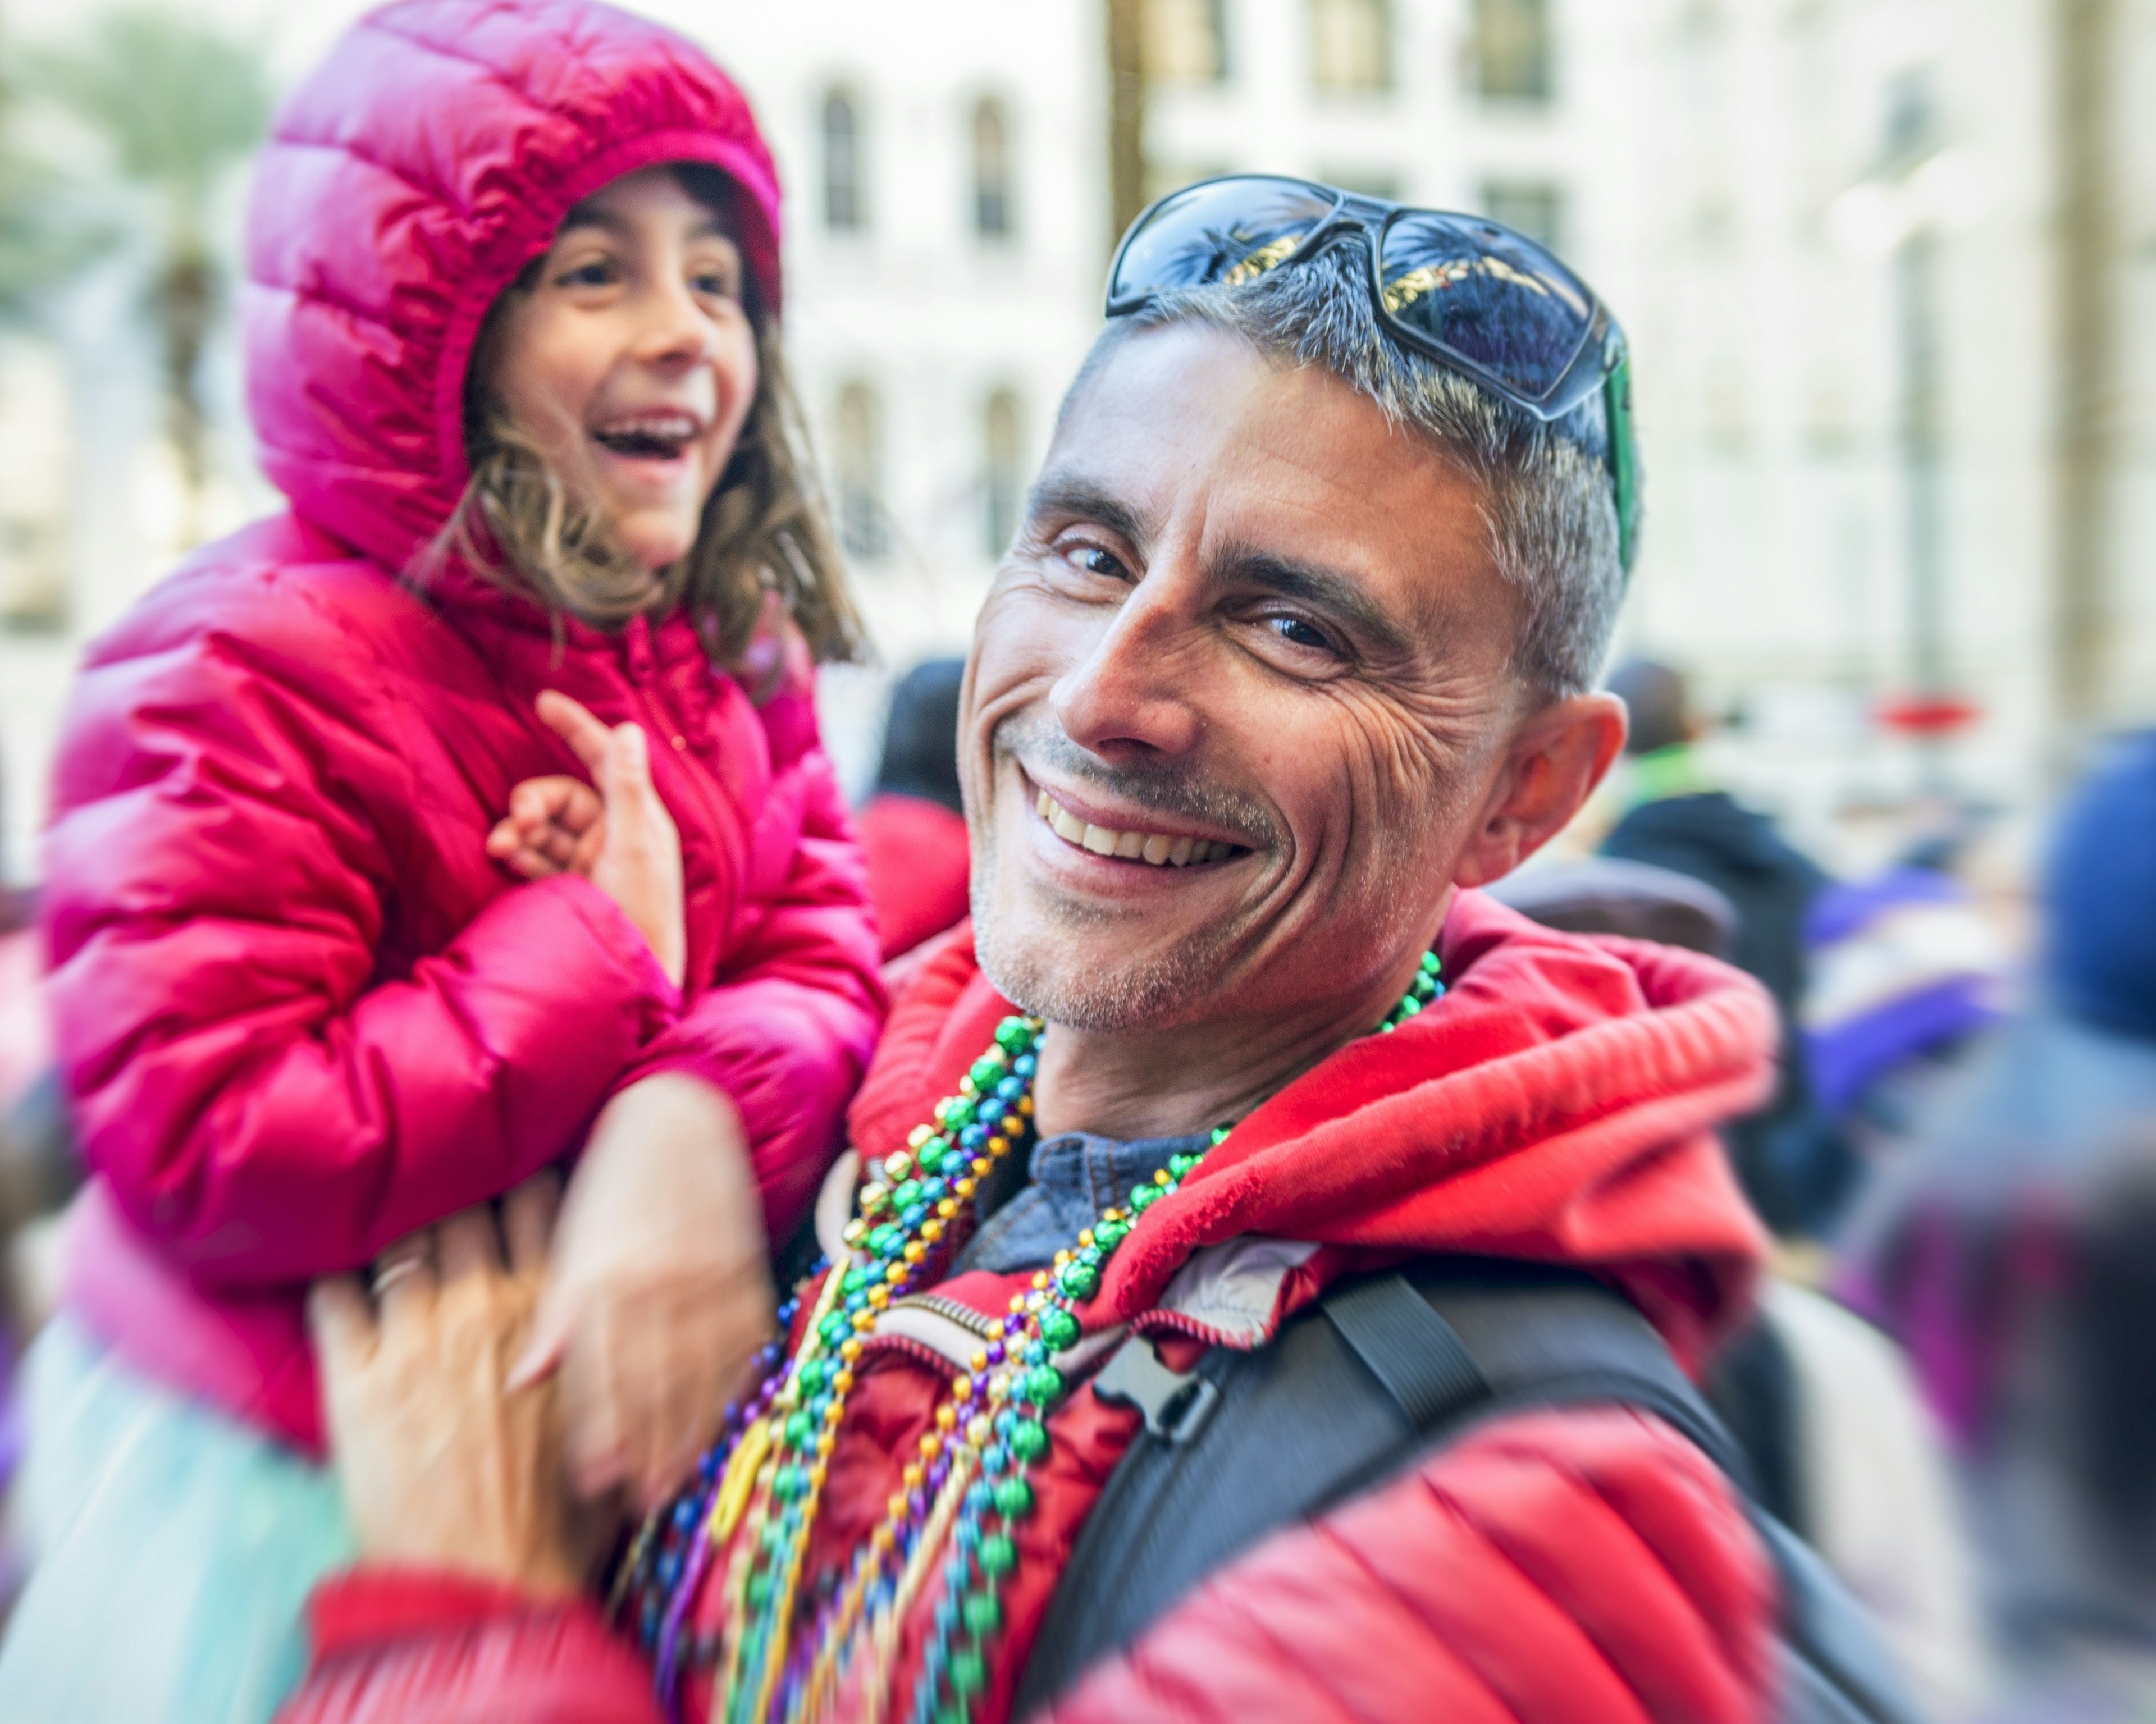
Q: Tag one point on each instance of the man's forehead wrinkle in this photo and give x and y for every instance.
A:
(1068, 490)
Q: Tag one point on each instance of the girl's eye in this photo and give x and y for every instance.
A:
(1298, 633)
(715, 284)
(595, 274)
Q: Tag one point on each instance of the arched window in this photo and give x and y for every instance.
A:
(845, 190)
(1002, 439)
(857, 449)
(1351, 45)
(992, 170)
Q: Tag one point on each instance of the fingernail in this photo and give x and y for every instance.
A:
(528, 1370)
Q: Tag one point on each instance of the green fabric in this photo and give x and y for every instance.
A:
(1664, 772)
(173, 1546)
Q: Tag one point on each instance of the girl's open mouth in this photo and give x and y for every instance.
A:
(650, 437)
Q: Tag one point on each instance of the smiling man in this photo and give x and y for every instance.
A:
(1295, 648)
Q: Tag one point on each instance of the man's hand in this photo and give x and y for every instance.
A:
(441, 1464)
(660, 1291)
(636, 849)
(554, 826)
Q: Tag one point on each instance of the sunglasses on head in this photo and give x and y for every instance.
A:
(1471, 295)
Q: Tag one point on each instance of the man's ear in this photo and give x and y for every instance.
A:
(1555, 759)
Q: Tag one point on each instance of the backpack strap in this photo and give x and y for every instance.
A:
(1353, 1389)
(1417, 1356)
(1379, 1372)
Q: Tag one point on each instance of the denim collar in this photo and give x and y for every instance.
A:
(1072, 1179)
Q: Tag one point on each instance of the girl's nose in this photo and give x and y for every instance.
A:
(675, 329)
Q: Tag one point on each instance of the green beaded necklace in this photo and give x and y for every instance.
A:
(964, 1495)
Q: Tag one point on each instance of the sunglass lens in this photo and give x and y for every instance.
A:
(1488, 294)
(1228, 231)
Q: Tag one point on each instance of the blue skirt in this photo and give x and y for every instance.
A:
(171, 1548)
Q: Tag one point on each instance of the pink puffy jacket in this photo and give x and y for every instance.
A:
(298, 1009)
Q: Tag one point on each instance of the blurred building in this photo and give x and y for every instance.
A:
(1878, 259)
(1838, 232)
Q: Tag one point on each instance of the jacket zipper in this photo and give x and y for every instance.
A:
(964, 1316)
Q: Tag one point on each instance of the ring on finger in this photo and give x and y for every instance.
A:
(388, 1274)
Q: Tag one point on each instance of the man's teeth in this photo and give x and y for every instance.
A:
(1157, 848)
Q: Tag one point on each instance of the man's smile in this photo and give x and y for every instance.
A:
(1131, 838)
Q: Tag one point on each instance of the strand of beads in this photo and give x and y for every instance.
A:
(665, 1563)
(1043, 1322)
(974, 1474)
(899, 1221)
(984, 1541)
(1423, 991)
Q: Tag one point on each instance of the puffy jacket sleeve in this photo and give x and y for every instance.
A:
(1576, 1567)
(787, 1028)
(404, 1647)
(229, 808)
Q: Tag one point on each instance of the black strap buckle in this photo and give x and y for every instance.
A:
(1177, 1404)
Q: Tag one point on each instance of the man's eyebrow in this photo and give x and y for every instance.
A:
(1331, 590)
(1063, 493)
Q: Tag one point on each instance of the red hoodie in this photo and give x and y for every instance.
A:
(1589, 1565)
(299, 1011)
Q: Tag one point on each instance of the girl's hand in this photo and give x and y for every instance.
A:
(637, 855)
(554, 826)
(660, 1291)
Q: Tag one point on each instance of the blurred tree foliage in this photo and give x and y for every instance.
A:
(176, 105)
(42, 243)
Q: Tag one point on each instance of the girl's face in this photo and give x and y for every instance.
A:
(632, 362)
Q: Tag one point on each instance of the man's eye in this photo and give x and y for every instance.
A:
(1300, 634)
(1095, 561)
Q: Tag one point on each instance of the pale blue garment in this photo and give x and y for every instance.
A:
(172, 1548)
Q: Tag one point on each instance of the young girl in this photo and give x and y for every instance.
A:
(341, 939)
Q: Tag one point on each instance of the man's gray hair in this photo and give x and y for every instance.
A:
(1552, 515)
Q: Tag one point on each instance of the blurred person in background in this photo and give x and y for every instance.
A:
(2011, 1252)
(913, 827)
(1905, 975)
(1794, 1165)
(468, 815)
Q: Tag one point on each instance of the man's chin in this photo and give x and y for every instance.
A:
(1066, 981)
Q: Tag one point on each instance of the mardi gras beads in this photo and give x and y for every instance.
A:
(963, 1497)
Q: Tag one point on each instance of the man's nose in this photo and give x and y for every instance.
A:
(1137, 692)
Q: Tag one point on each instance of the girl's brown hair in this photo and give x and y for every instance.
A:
(764, 531)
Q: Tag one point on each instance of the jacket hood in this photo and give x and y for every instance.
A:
(432, 154)
(1557, 1105)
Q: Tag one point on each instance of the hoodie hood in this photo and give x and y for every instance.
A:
(404, 184)
(1557, 1105)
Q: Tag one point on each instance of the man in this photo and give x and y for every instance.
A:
(1794, 1166)
(1294, 648)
